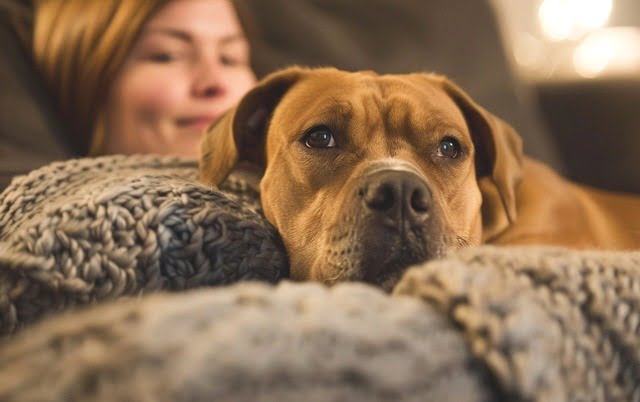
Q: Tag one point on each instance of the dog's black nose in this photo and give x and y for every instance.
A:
(397, 195)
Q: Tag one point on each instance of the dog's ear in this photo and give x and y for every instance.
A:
(239, 135)
(498, 161)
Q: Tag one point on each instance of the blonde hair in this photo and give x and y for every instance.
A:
(79, 46)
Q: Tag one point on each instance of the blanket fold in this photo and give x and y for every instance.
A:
(550, 324)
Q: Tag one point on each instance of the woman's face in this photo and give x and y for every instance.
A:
(190, 64)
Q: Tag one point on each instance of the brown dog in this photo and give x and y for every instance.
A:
(366, 174)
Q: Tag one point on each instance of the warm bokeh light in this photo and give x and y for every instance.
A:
(529, 51)
(613, 50)
(592, 13)
(571, 19)
(556, 19)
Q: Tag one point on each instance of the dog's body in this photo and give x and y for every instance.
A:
(554, 211)
(366, 174)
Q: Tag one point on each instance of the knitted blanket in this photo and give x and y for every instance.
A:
(517, 324)
(87, 230)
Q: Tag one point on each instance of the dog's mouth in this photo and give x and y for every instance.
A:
(390, 256)
(390, 272)
(380, 257)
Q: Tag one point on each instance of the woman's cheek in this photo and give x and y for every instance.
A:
(152, 92)
(239, 83)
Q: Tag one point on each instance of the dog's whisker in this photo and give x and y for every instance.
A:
(339, 273)
(463, 241)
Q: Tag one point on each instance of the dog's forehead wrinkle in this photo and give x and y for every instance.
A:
(382, 114)
(338, 105)
(407, 111)
(392, 163)
(423, 97)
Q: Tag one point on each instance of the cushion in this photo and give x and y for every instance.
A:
(85, 230)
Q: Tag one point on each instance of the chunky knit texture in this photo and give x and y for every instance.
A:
(85, 230)
(487, 323)
(550, 324)
(248, 342)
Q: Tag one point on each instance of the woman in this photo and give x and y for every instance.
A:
(134, 76)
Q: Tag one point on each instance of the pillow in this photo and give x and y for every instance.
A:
(85, 230)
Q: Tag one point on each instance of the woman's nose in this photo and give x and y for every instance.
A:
(208, 80)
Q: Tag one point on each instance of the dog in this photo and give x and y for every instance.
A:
(364, 175)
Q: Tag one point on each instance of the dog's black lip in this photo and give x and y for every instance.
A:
(391, 273)
(395, 258)
(403, 226)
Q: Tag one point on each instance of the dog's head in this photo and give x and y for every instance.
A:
(366, 174)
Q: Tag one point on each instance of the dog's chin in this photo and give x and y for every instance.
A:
(379, 261)
(390, 275)
(385, 266)
(384, 273)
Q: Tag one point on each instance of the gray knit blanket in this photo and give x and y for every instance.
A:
(87, 230)
(484, 324)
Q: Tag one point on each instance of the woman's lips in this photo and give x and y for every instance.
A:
(196, 122)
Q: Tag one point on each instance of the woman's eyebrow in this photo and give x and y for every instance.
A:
(187, 37)
(233, 38)
(175, 33)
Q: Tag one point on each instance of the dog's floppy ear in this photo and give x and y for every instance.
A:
(498, 161)
(239, 136)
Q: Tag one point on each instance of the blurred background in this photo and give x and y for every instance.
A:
(564, 73)
(582, 59)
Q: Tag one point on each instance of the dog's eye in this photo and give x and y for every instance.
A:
(319, 137)
(449, 148)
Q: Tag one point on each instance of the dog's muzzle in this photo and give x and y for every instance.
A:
(390, 223)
